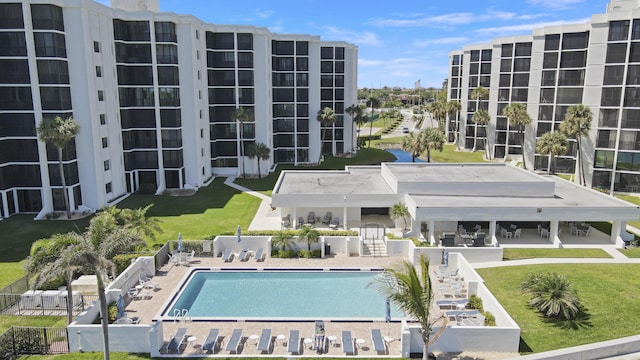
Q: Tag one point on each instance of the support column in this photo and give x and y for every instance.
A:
(492, 233)
(432, 233)
(344, 218)
(72, 199)
(295, 218)
(616, 230)
(553, 234)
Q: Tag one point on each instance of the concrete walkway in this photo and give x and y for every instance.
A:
(266, 217)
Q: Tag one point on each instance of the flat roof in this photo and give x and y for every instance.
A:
(463, 173)
(353, 180)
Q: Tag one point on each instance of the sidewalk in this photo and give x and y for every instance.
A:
(266, 218)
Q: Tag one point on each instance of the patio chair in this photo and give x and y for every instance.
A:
(311, 218)
(378, 342)
(227, 256)
(517, 233)
(286, 221)
(234, 341)
(259, 255)
(244, 255)
(544, 233)
(211, 341)
(334, 224)
(265, 341)
(327, 218)
(294, 342)
(176, 341)
(300, 222)
(348, 344)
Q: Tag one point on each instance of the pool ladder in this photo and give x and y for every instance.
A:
(181, 315)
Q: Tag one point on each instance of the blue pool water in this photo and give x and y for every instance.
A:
(403, 156)
(282, 295)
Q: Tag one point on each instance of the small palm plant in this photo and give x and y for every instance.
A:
(552, 294)
(283, 239)
(400, 211)
(309, 234)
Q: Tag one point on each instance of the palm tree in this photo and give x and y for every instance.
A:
(59, 132)
(453, 107)
(400, 211)
(433, 139)
(355, 111)
(438, 110)
(518, 117)
(480, 93)
(309, 234)
(481, 117)
(41, 264)
(553, 143)
(411, 291)
(283, 239)
(243, 115)
(413, 143)
(374, 102)
(137, 219)
(259, 151)
(552, 294)
(326, 117)
(576, 124)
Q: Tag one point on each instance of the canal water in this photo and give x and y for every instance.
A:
(403, 156)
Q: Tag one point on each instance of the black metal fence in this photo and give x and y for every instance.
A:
(162, 256)
(19, 340)
(36, 304)
(17, 287)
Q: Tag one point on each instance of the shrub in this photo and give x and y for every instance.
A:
(112, 312)
(552, 295)
(489, 319)
(287, 254)
(304, 254)
(475, 302)
(316, 253)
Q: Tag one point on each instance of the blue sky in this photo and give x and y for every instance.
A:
(399, 41)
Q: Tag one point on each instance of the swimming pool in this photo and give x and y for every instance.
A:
(282, 295)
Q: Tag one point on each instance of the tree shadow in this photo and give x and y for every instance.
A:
(524, 347)
(581, 321)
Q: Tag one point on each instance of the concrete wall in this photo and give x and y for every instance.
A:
(142, 266)
(605, 349)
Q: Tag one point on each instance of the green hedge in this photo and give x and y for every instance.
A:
(123, 261)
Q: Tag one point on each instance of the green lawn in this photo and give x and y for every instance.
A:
(214, 210)
(518, 254)
(450, 154)
(7, 321)
(608, 292)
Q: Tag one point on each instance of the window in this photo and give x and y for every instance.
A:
(107, 187)
(611, 96)
(523, 49)
(98, 71)
(302, 48)
(47, 17)
(505, 65)
(131, 30)
(550, 60)
(167, 54)
(245, 59)
(618, 30)
(106, 165)
(608, 118)
(475, 55)
(569, 96)
(633, 75)
(100, 95)
(105, 143)
(197, 34)
(521, 64)
(635, 30)
(634, 52)
(165, 31)
(631, 97)
(326, 52)
(571, 78)
(282, 47)
(486, 55)
(15, 71)
(245, 41)
(547, 96)
(575, 40)
(613, 75)
(572, 59)
(103, 119)
(520, 80)
(507, 50)
(96, 46)
(616, 53)
(50, 45)
(552, 42)
(13, 44)
(11, 16)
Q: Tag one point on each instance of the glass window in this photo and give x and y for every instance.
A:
(604, 159)
(571, 77)
(520, 80)
(485, 68)
(282, 64)
(339, 53)
(629, 140)
(523, 64)
(505, 80)
(631, 119)
(550, 60)
(168, 75)
(133, 53)
(503, 95)
(611, 96)
(618, 30)
(613, 75)
(302, 64)
(50, 45)
(165, 31)
(47, 17)
(608, 118)
(486, 55)
(167, 53)
(220, 41)
(569, 96)
(11, 16)
(575, 40)
(245, 60)
(552, 42)
(131, 30)
(485, 81)
(245, 41)
(519, 95)
(221, 59)
(547, 96)
(302, 48)
(507, 50)
(16, 71)
(473, 81)
(634, 52)
(628, 161)
(548, 78)
(103, 119)
(283, 47)
(523, 49)
(635, 31)
(505, 65)
(475, 55)
(326, 52)
(326, 67)
(134, 75)
(132, 97)
(474, 68)
(245, 77)
(572, 59)
(222, 96)
(546, 112)
(616, 53)
(631, 97)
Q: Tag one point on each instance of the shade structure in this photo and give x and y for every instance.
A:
(239, 231)
(120, 305)
(445, 257)
(387, 315)
(179, 242)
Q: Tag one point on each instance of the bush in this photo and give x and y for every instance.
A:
(321, 232)
(308, 255)
(287, 254)
(489, 319)
(123, 261)
(475, 302)
(112, 312)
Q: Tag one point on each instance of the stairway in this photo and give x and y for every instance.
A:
(374, 248)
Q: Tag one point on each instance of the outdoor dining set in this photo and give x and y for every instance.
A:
(332, 221)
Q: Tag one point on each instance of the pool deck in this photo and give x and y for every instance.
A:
(170, 276)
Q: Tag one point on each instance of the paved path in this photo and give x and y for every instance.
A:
(266, 217)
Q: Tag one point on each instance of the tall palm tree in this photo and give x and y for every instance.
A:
(374, 103)
(553, 143)
(400, 211)
(243, 115)
(309, 234)
(481, 117)
(453, 107)
(138, 220)
(283, 239)
(41, 263)
(413, 143)
(59, 132)
(411, 291)
(326, 117)
(355, 111)
(259, 151)
(480, 93)
(433, 139)
(518, 117)
(576, 124)
(438, 110)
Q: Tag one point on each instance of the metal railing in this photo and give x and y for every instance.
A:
(20, 340)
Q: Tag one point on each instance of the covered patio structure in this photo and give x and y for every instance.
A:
(445, 198)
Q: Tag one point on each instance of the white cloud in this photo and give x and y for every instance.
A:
(441, 41)
(522, 28)
(444, 19)
(365, 62)
(356, 37)
(554, 4)
(264, 13)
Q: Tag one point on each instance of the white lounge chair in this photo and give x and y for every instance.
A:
(211, 341)
(348, 344)
(378, 342)
(264, 344)
(227, 255)
(335, 223)
(234, 341)
(177, 340)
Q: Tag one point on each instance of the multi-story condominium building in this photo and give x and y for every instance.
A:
(596, 63)
(155, 95)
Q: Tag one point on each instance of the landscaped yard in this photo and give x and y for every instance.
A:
(607, 291)
(633, 200)
(532, 253)
(39, 321)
